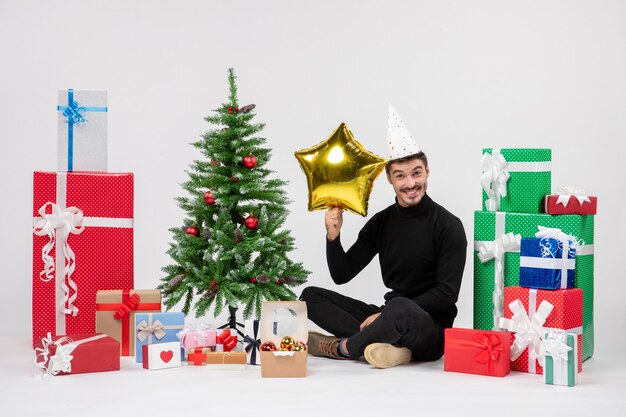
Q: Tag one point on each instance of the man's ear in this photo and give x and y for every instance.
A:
(388, 177)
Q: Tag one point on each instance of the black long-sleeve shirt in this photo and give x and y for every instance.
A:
(421, 251)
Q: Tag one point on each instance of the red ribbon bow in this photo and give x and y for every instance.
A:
(125, 308)
(197, 356)
(490, 349)
(227, 340)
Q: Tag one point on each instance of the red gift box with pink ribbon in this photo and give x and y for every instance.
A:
(530, 313)
(479, 352)
(82, 243)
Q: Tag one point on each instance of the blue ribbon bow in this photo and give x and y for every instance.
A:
(73, 113)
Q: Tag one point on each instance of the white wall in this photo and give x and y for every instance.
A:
(463, 75)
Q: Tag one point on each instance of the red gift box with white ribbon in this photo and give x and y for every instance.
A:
(530, 313)
(569, 200)
(82, 243)
(77, 354)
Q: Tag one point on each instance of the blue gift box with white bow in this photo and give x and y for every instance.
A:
(547, 263)
(153, 328)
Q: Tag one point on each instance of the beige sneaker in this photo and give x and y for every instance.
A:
(323, 345)
(385, 355)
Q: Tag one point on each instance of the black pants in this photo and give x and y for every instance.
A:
(401, 322)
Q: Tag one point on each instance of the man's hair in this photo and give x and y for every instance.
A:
(420, 155)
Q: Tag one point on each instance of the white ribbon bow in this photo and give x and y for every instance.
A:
(145, 330)
(68, 220)
(494, 179)
(61, 361)
(555, 345)
(496, 249)
(528, 332)
(197, 330)
(567, 242)
(566, 193)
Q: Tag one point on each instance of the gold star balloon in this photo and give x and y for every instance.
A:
(340, 172)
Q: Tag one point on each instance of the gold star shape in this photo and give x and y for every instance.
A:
(340, 172)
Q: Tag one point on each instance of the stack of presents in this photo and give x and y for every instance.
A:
(533, 274)
(86, 313)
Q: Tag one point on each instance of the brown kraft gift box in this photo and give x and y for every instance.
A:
(115, 314)
(280, 319)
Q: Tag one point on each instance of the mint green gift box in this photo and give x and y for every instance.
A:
(489, 225)
(529, 174)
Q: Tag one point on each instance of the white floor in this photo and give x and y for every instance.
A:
(332, 388)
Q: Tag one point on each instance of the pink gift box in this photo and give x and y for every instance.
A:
(197, 337)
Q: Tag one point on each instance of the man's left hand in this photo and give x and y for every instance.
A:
(368, 321)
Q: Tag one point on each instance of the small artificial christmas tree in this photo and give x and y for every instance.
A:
(231, 250)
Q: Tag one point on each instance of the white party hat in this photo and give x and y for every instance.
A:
(400, 142)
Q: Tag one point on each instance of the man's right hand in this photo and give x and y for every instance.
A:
(334, 221)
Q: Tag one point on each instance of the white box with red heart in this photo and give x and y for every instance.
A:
(161, 356)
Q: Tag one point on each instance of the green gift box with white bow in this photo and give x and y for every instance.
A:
(560, 351)
(497, 262)
(515, 180)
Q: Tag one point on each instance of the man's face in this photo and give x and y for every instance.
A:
(409, 180)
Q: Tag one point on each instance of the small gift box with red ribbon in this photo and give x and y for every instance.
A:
(479, 352)
(77, 354)
(197, 336)
(569, 200)
(282, 320)
(207, 356)
(161, 356)
(152, 328)
(198, 356)
(226, 340)
(82, 243)
(530, 313)
(82, 130)
(115, 314)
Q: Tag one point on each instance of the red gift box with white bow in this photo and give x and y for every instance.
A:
(530, 313)
(77, 354)
(82, 243)
(569, 200)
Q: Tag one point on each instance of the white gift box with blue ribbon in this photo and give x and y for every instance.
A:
(82, 130)
(547, 262)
